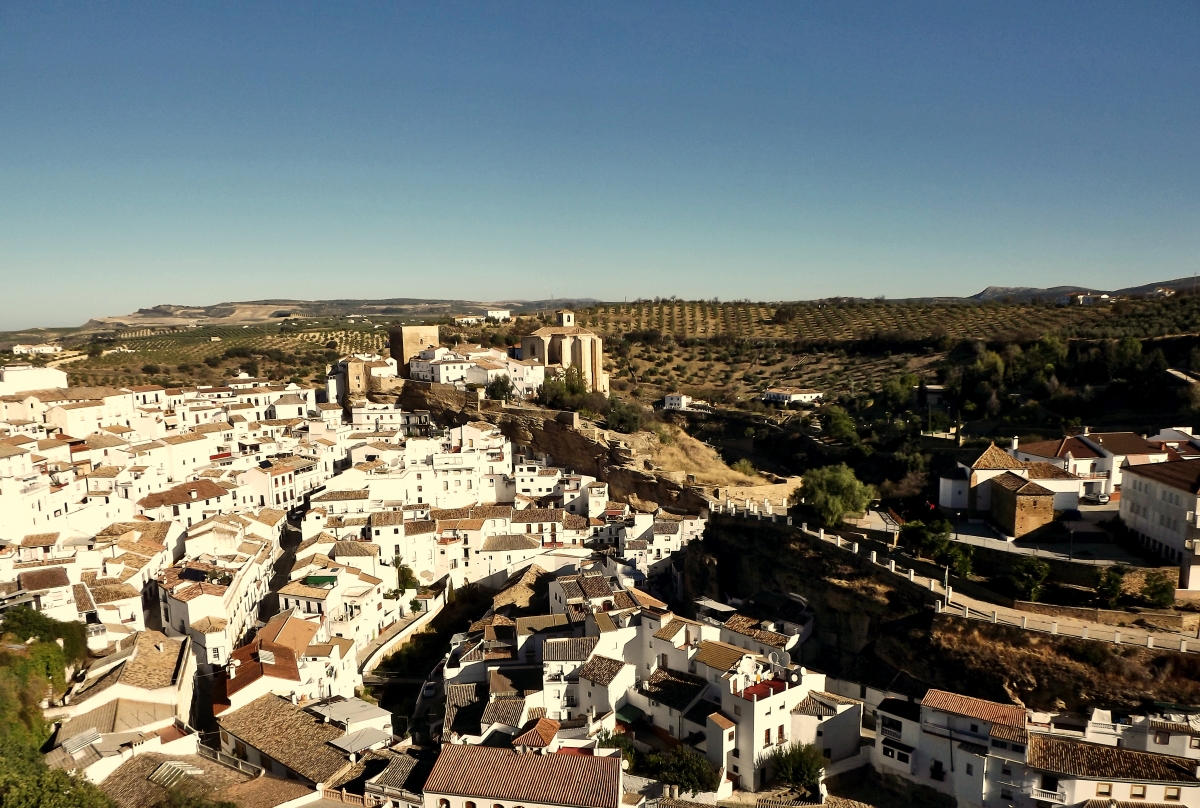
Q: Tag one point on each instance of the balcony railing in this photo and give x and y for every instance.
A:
(1049, 796)
(888, 732)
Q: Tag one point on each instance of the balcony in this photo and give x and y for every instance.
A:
(888, 732)
(1049, 796)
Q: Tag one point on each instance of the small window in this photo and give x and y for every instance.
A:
(443, 803)
(1173, 793)
(902, 757)
(1162, 738)
(999, 744)
(1137, 792)
(1018, 747)
(1006, 794)
(1103, 789)
(1194, 742)
(974, 728)
(468, 804)
(970, 770)
(889, 752)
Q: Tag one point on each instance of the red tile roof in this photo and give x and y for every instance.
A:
(1007, 714)
(505, 775)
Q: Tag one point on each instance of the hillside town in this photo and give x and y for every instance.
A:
(245, 560)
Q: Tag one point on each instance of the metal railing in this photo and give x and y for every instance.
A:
(229, 760)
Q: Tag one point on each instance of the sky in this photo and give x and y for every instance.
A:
(199, 153)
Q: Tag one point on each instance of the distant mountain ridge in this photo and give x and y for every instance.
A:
(1024, 293)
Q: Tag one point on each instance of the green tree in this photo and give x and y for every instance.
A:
(1109, 582)
(94, 350)
(618, 740)
(744, 466)
(1159, 589)
(404, 575)
(799, 765)
(834, 491)
(624, 417)
(959, 558)
(500, 388)
(840, 426)
(684, 768)
(926, 540)
(23, 622)
(1028, 576)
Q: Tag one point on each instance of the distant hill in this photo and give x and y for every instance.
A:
(251, 312)
(1021, 294)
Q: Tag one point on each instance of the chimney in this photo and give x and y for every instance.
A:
(1015, 443)
(158, 647)
(192, 493)
(1087, 430)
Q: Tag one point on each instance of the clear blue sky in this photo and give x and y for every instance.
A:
(197, 153)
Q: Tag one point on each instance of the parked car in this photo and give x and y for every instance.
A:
(429, 691)
(1097, 499)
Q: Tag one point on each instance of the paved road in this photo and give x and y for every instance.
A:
(388, 634)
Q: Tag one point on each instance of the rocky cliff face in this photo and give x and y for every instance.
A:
(875, 629)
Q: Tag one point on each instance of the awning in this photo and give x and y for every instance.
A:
(629, 714)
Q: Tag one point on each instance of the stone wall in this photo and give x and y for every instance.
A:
(1183, 622)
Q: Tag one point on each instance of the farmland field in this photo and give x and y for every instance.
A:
(832, 321)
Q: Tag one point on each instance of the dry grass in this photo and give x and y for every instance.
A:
(683, 453)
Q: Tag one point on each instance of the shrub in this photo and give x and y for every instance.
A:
(1028, 577)
(1159, 589)
(1109, 582)
(798, 765)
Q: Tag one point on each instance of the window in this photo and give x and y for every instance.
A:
(1194, 742)
(1162, 738)
(995, 743)
(1103, 789)
(737, 753)
(1049, 783)
(216, 653)
(730, 732)
(974, 728)
(1018, 747)
(767, 737)
(736, 709)
(443, 803)
(1137, 792)
(902, 757)
(1006, 794)
(889, 752)
(1173, 793)
(970, 770)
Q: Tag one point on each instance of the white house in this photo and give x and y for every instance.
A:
(791, 395)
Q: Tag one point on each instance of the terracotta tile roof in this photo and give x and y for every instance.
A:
(355, 548)
(811, 706)
(568, 649)
(644, 599)
(1123, 443)
(540, 622)
(825, 695)
(40, 540)
(669, 630)
(540, 734)
(118, 715)
(503, 711)
(1020, 486)
(1007, 733)
(601, 670)
(113, 592)
(1180, 474)
(387, 519)
(342, 496)
(994, 457)
(49, 578)
(1078, 759)
(718, 655)
(673, 688)
(1007, 714)
(1048, 471)
(508, 542)
(573, 781)
(290, 735)
(537, 515)
(263, 792)
(419, 527)
(210, 625)
(182, 493)
(83, 599)
(749, 627)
